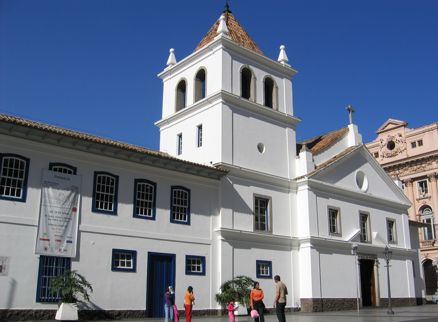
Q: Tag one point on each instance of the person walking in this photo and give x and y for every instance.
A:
(280, 298)
(256, 301)
(168, 304)
(189, 300)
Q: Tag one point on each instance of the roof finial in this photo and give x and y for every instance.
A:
(222, 29)
(227, 7)
(282, 57)
(350, 110)
(171, 60)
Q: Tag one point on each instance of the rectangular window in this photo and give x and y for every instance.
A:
(199, 135)
(124, 260)
(364, 228)
(263, 269)
(144, 199)
(179, 144)
(62, 167)
(334, 221)
(422, 188)
(105, 193)
(429, 229)
(413, 144)
(13, 177)
(180, 205)
(49, 268)
(261, 214)
(195, 265)
(420, 142)
(376, 154)
(391, 231)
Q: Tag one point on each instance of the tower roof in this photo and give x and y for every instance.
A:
(236, 32)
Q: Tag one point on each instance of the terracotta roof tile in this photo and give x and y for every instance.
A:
(322, 142)
(237, 33)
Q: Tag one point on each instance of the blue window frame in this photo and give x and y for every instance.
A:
(49, 268)
(105, 190)
(180, 205)
(14, 172)
(62, 167)
(263, 269)
(124, 260)
(195, 265)
(145, 193)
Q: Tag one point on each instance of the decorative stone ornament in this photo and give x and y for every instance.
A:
(282, 57)
(222, 29)
(171, 60)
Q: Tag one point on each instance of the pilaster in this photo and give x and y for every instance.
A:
(410, 188)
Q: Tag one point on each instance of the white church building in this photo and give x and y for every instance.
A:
(229, 193)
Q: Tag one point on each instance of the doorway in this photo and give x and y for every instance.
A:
(367, 282)
(161, 274)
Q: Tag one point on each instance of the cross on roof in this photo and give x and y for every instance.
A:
(350, 110)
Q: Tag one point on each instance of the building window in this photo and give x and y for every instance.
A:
(334, 221)
(62, 167)
(199, 135)
(180, 205)
(105, 193)
(422, 188)
(144, 199)
(263, 269)
(413, 144)
(200, 85)
(181, 91)
(179, 144)
(261, 214)
(270, 91)
(247, 84)
(376, 154)
(391, 231)
(195, 265)
(427, 219)
(364, 220)
(124, 260)
(420, 142)
(13, 177)
(49, 268)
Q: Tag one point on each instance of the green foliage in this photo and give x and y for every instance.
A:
(70, 286)
(237, 289)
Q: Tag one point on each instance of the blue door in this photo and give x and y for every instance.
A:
(161, 274)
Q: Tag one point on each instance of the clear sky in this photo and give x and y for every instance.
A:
(91, 65)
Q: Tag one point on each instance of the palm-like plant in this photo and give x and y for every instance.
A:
(70, 286)
(237, 289)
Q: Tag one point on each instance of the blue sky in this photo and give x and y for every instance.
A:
(91, 65)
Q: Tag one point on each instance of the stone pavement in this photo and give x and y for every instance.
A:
(423, 313)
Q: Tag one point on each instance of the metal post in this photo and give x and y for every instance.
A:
(388, 254)
(354, 251)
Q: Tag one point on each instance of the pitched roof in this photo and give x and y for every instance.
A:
(322, 142)
(45, 129)
(237, 33)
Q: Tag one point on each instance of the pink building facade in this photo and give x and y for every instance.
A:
(411, 157)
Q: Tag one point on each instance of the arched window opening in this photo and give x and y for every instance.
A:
(270, 90)
(247, 84)
(200, 85)
(181, 90)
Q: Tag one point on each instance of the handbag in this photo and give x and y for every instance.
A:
(254, 314)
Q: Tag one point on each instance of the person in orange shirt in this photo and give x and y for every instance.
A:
(189, 300)
(256, 301)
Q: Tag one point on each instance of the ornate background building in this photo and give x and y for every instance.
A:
(411, 157)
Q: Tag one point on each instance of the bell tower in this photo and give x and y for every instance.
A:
(228, 104)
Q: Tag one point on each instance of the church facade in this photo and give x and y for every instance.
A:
(229, 193)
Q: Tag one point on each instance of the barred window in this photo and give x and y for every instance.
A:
(334, 221)
(263, 269)
(49, 268)
(364, 228)
(261, 214)
(180, 205)
(195, 265)
(179, 144)
(13, 177)
(391, 231)
(144, 199)
(124, 260)
(105, 193)
(62, 167)
(199, 136)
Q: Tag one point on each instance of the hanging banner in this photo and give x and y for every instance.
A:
(59, 214)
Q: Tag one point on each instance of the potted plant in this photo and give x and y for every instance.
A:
(238, 290)
(71, 286)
